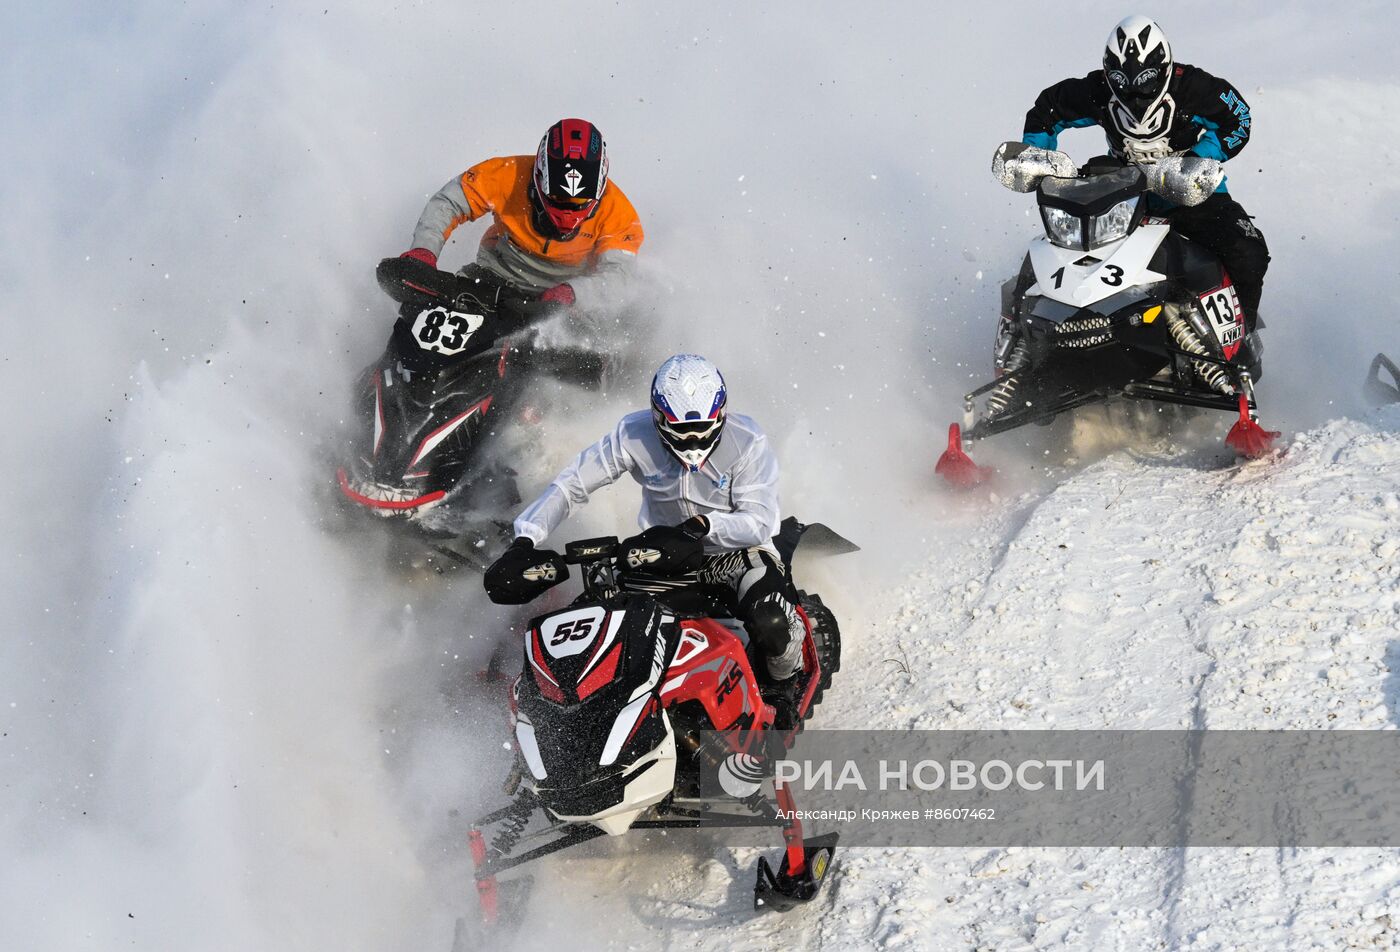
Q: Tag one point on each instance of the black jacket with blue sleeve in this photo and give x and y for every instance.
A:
(1199, 114)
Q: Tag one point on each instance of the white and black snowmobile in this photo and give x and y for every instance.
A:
(424, 455)
(639, 709)
(1110, 303)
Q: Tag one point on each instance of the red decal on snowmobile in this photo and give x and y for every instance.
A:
(601, 675)
(702, 673)
(549, 687)
(395, 504)
(431, 441)
(612, 621)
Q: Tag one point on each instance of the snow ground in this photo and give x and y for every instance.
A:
(1150, 592)
(222, 727)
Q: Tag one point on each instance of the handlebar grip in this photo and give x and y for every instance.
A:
(530, 309)
(408, 279)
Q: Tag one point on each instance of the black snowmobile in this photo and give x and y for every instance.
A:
(431, 412)
(1111, 303)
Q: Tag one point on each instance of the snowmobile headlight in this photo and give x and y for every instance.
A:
(1113, 224)
(1062, 228)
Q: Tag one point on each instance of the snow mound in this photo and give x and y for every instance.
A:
(1146, 593)
(1149, 592)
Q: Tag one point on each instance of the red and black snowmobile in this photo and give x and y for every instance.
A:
(425, 452)
(1111, 303)
(640, 710)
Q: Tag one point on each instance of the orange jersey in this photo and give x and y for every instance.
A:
(501, 186)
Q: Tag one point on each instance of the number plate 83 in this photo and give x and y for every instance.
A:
(445, 332)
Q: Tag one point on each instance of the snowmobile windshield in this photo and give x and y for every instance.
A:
(1092, 192)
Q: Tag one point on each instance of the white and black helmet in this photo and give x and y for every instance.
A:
(1138, 66)
(687, 404)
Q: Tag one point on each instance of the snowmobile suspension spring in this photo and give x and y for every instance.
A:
(512, 826)
(1000, 397)
(1213, 374)
(755, 801)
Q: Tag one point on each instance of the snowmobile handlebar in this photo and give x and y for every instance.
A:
(587, 551)
(597, 562)
(418, 284)
(600, 562)
(1180, 179)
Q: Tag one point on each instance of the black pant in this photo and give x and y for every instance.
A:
(745, 580)
(1222, 226)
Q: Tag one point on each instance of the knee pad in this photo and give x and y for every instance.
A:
(1255, 259)
(767, 626)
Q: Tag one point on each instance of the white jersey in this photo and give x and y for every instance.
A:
(736, 488)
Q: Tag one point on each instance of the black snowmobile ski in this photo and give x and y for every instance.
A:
(1377, 390)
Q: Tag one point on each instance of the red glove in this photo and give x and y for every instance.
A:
(421, 254)
(559, 294)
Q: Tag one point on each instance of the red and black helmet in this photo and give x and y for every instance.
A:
(571, 172)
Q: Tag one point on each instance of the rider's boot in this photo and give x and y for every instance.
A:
(781, 696)
(1251, 354)
(779, 659)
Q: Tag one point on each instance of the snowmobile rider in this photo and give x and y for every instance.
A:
(559, 227)
(1151, 106)
(709, 508)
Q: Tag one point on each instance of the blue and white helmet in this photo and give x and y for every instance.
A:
(687, 405)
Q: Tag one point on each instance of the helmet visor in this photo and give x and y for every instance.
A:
(1138, 87)
(690, 432)
(570, 204)
(691, 440)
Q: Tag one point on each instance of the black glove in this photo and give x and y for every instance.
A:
(523, 573)
(665, 550)
(697, 526)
